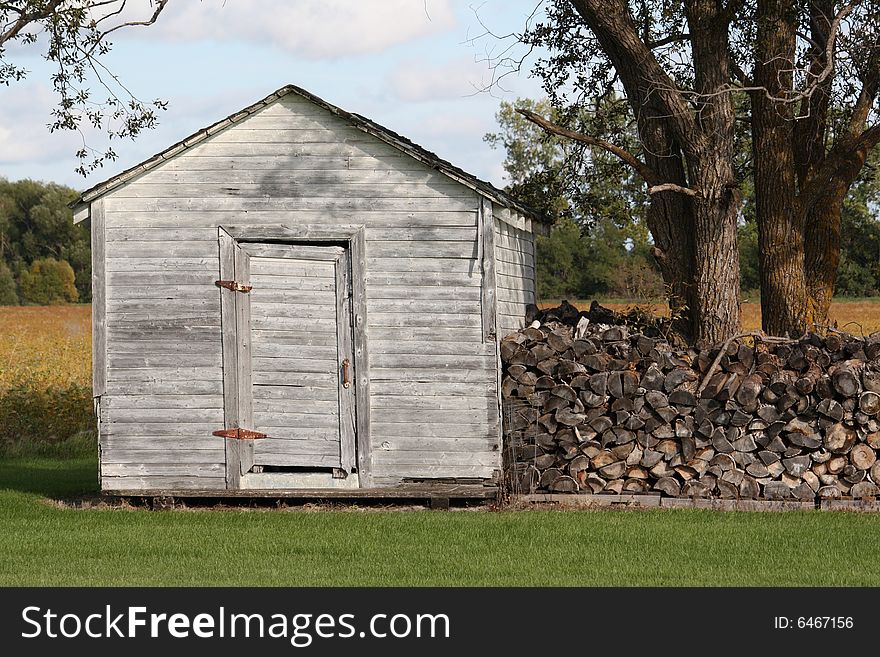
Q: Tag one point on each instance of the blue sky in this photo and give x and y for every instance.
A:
(412, 65)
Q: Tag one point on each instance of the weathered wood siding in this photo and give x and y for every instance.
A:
(515, 268)
(433, 384)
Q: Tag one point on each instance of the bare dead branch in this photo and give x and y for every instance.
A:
(672, 187)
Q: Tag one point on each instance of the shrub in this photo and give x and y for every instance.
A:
(48, 282)
(52, 420)
(8, 294)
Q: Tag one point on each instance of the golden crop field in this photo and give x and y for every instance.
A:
(45, 346)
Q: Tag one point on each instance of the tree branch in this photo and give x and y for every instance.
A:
(651, 177)
(672, 187)
(646, 172)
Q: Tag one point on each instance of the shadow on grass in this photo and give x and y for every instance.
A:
(49, 477)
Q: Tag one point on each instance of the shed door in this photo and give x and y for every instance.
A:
(296, 335)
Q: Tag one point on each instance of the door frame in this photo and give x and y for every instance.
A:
(352, 237)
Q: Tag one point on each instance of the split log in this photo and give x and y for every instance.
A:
(862, 456)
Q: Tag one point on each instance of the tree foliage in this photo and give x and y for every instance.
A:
(36, 222)
(74, 36)
(48, 282)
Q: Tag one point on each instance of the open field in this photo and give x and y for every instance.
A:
(46, 545)
(45, 345)
(857, 316)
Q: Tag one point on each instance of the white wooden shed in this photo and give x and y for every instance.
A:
(298, 299)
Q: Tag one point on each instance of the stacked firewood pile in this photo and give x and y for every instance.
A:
(598, 408)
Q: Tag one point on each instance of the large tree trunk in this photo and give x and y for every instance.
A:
(780, 218)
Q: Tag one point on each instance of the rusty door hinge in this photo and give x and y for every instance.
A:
(235, 286)
(239, 433)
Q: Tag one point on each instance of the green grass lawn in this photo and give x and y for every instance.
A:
(45, 545)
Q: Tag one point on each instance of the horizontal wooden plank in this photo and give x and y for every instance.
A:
(423, 279)
(422, 306)
(406, 263)
(480, 444)
(272, 269)
(265, 310)
(122, 331)
(420, 234)
(421, 417)
(381, 428)
(133, 457)
(372, 148)
(300, 433)
(200, 347)
(202, 161)
(276, 424)
(163, 469)
(432, 361)
(149, 361)
(163, 387)
(422, 249)
(164, 250)
(514, 257)
(434, 293)
(148, 289)
(297, 460)
(143, 484)
(294, 365)
(383, 388)
(484, 376)
(508, 282)
(299, 406)
(512, 309)
(118, 401)
(292, 393)
(298, 446)
(132, 280)
(263, 349)
(485, 458)
(167, 415)
(166, 444)
(158, 429)
(380, 345)
(518, 271)
(436, 320)
(245, 204)
(133, 265)
(166, 307)
(395, 472)
(486, 402)
(273, 188)
(303, 337)
(297, 324)
(165, 374)
(205, 233)
(291, 284)
(413, 219)
(424, 333)
(256, 169)
(255, 132)
(308, 379)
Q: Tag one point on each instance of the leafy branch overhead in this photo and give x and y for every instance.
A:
(73, 35)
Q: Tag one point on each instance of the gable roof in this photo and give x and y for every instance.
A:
(356, 120)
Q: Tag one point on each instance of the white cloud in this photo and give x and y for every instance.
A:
(313, 29)
(418, 81)
(24, 137)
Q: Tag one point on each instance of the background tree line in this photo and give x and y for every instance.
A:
(44, 257)
(600, 245)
